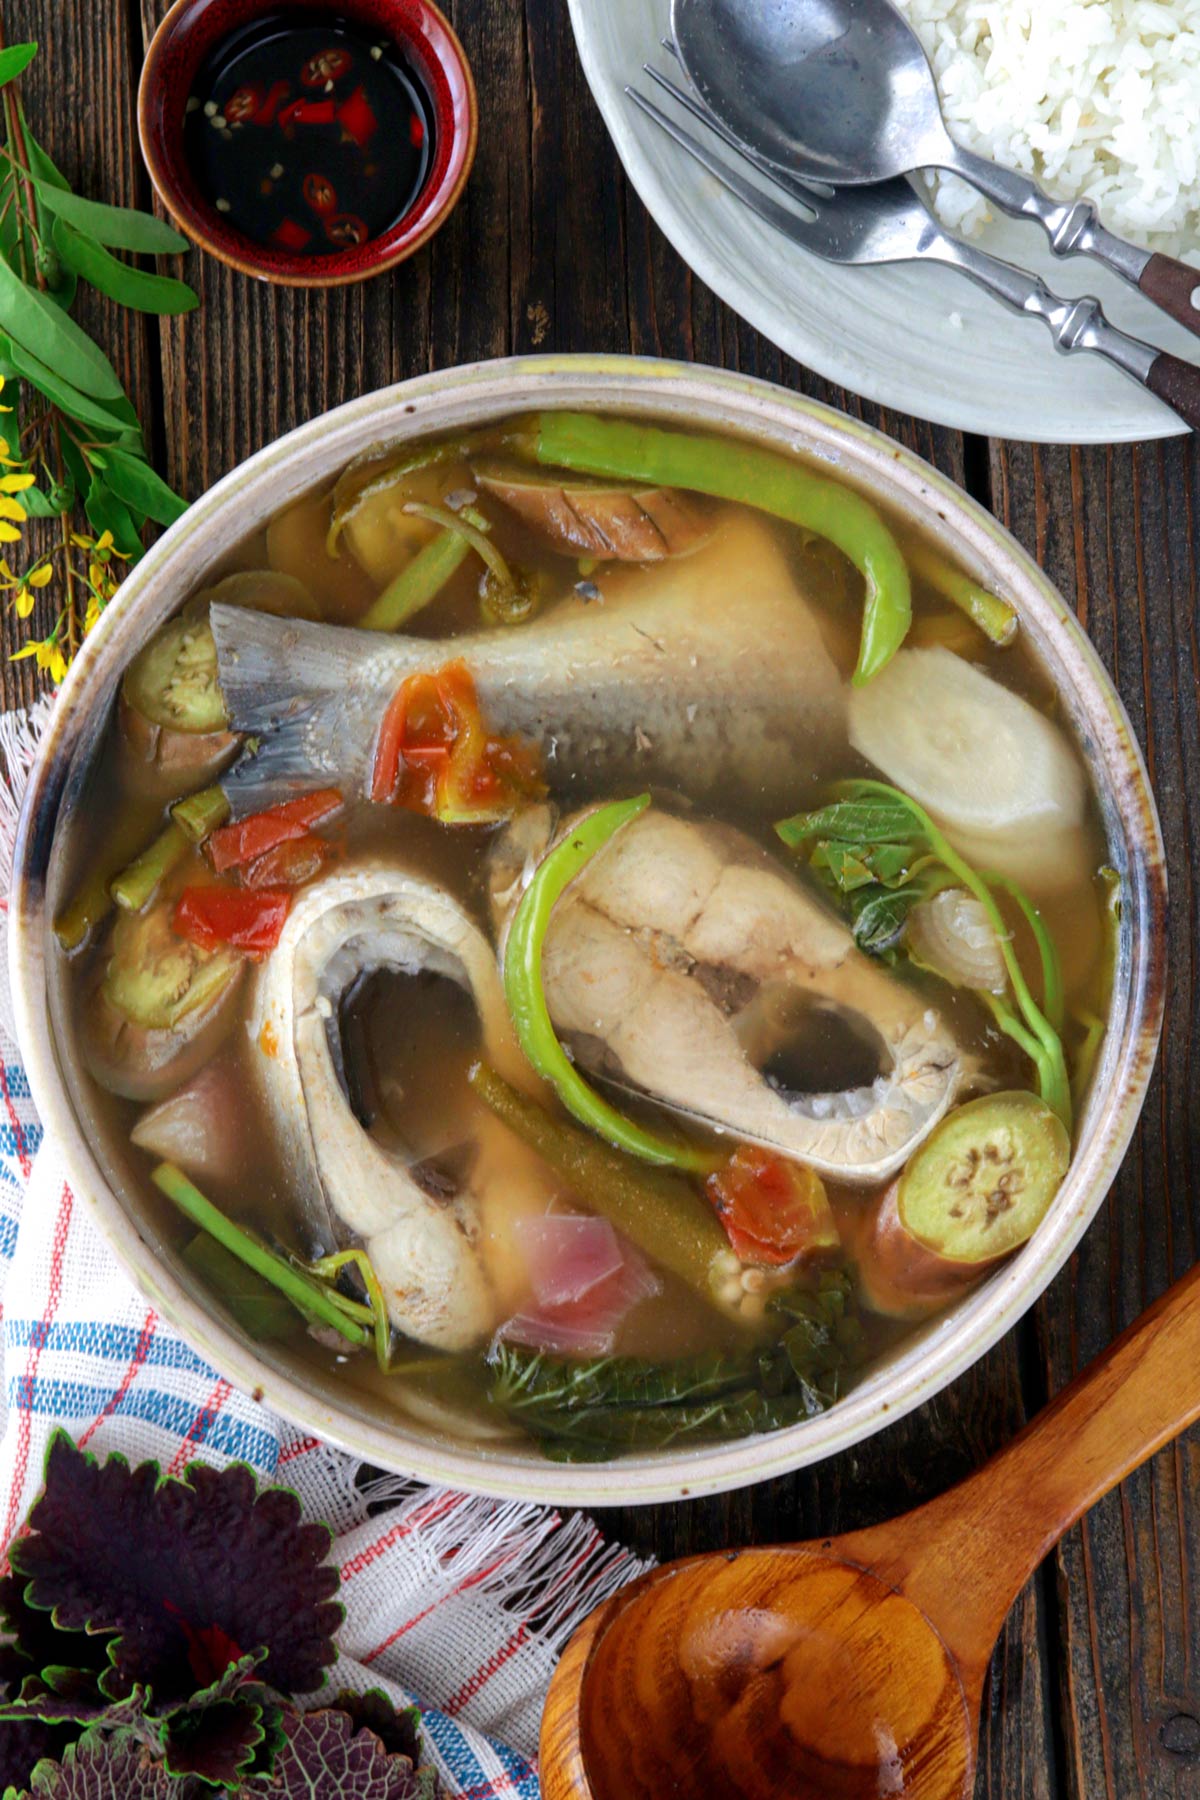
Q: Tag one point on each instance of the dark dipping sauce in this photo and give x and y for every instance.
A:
(308, 133)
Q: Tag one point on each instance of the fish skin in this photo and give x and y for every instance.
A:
(430, 1253)
(690, 673)
(634, 958)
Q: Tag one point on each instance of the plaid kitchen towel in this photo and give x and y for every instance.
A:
(460, 1602)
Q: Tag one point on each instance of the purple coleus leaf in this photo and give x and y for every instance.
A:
(190, 1574)
(32, 1643)
(24, 1743)
(326, 1756)
(106, 1766)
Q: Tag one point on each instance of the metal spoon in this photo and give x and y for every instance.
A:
(892, 223)
(841, 91)
(854, 1666)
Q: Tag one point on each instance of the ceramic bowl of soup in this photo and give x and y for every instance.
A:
(628, 899)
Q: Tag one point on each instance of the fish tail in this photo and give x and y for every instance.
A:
(308, 697)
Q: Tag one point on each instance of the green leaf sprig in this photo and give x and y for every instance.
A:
(70, 442)
(880, 852)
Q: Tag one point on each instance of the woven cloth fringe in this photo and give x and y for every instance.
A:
(459, 1602)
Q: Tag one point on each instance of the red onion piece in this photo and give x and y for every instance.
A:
(567, 1254)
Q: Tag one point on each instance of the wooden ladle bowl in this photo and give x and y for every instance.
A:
(854, 1666)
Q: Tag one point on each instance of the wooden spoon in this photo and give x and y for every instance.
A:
(854, 1666)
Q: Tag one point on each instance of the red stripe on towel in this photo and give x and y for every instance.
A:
(141, 1352)
(25, 1387)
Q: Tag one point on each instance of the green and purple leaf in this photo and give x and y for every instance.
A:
(326, 1757)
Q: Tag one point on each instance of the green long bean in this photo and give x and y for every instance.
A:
(526, 995)
(753, 476)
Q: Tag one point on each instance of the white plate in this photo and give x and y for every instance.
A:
(918, 340)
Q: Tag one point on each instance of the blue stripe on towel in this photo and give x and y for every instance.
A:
(225, 1432)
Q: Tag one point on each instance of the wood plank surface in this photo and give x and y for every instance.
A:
(1095, 1691)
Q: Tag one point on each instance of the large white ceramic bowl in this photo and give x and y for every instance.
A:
(922, 339)
(456, 398)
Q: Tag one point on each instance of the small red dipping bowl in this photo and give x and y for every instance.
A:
(193, 28)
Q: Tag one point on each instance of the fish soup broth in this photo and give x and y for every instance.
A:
(620, 1023)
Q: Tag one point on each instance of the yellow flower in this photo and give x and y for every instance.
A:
(39, 577)
(92, 616)
(3, 408)
(11, 509)
(49, 657)
(80, 541)
(16, 484)
(9, 533)
(23, 601)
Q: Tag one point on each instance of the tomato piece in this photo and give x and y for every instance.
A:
(290, 864)
(252, 837)
(773, 1211)
(435, 755)
(320, 193)
(326, 65)
(215, 916)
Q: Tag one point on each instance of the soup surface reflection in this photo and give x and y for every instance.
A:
(614, 916)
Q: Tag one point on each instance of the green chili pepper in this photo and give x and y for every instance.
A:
(757, 477)
(527, 998)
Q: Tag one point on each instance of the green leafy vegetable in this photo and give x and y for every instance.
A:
(587, 1410)
(527, 999)
(14, 58)
(881, 853)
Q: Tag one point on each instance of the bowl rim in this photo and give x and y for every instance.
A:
(731, 402)
(432, 206)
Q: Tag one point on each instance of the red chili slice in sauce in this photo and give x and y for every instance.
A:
(243, 103)
(356, 116)
(221, 917)
(346, 228)
(276, 95)
(326, 65)
(289, 234)
(320, 193)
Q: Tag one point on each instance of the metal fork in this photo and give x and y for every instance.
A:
(892, 223)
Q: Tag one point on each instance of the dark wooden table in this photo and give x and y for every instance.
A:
(1095, 1691)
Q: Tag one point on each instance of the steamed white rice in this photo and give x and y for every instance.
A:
(1093, 97)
